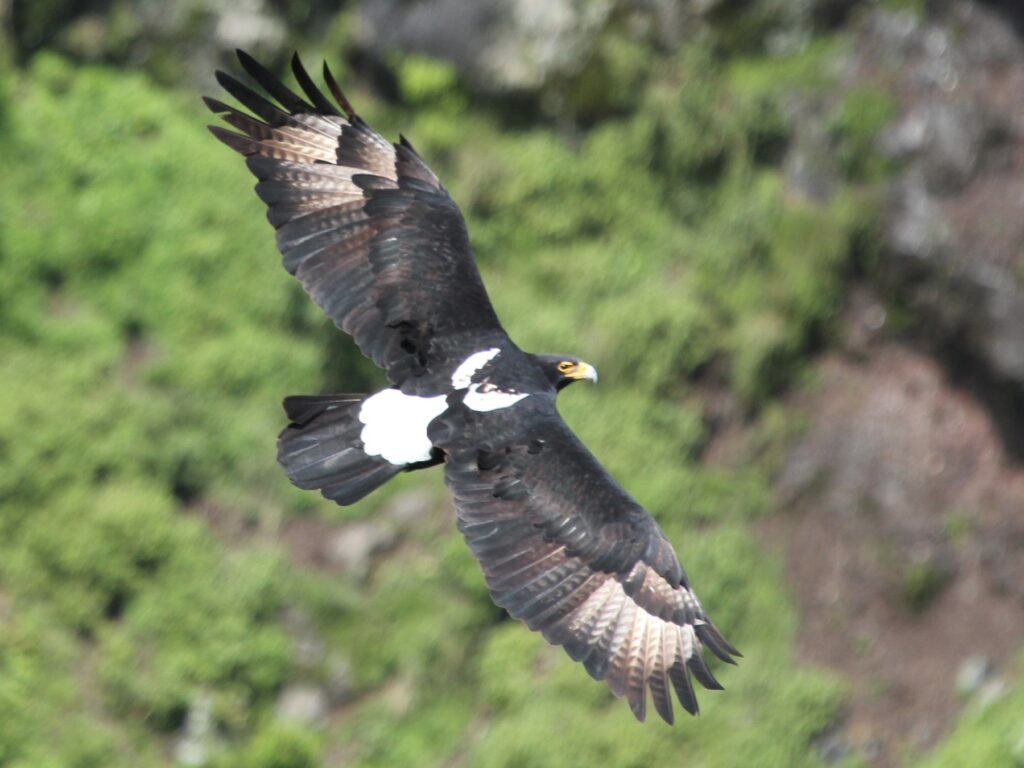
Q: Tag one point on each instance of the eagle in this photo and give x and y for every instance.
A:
(378, 243)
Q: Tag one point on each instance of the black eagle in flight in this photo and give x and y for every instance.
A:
(382, 248)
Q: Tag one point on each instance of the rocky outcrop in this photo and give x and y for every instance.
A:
(954, 228)
(176, 41)
(901, 541)
(521, 47)
(503, 47)
(901, 532)
(497, 46)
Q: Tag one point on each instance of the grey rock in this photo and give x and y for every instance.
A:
(809, 166)
(976, 679)
(975, 670)
(918, 228)
(308, 650)
(907, 138)
(453, 30)
(1002, 564)
(893, 31)
(409, 508)
(833, 746)
(990, 692)
(1001, 327)
(499, 46)
(197, 742)
(246, 24)
(542, 38)
(302, 703)
(992, 41)
(308, 647)
(179, 39)
(399, 695)
(952, 229)
(955, 135)
(351, 549)
(340, 683)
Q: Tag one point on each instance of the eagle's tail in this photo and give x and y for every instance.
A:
(321, 449)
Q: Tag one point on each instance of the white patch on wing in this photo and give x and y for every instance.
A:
(396, 425)
(486, 397)
(464, 373)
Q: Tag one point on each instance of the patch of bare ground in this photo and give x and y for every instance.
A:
(355, 546)
(350, 547)
(900, 525)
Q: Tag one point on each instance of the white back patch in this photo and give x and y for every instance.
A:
(464, 373)
(396, 425)
(482, 397)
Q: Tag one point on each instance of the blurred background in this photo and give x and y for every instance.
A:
(789, 234)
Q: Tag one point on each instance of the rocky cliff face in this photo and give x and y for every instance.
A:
(903, 528)
(954, 240)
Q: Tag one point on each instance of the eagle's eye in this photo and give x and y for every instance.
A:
(565, 366)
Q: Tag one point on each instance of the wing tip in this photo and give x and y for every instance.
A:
(224, 79)
(339, 95)
(713, 640)
(216, 106)
(665, 711)
(638, 705)
(683, 686)
(315, 95)
(245, 59)
(243, 145)
(699, 667)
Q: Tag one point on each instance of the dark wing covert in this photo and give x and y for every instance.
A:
(365, 225)
(565, 549)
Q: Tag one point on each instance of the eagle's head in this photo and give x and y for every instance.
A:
(563, 370)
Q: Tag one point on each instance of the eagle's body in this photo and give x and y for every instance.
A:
(379, 244)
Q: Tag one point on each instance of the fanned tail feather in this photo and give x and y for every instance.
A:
(321, 449)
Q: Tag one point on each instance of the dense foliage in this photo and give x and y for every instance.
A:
(147, 334)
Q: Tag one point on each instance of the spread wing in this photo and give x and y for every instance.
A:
(364, 224)
(565, 549)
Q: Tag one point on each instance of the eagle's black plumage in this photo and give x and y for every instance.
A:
(379, 244)
(364, 225)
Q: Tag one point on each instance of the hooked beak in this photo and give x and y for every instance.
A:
(584, 371)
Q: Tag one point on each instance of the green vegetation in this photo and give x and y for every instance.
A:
(989, 733)
(922, 582)
(148, 333)
(864, 113)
